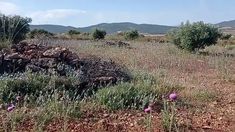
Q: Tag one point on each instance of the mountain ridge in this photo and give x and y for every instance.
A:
(108, 27)
(230, 23)
(121, 26)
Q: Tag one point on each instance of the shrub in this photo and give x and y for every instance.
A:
(125, 96)
(195, 36)
(131, 35)
(137, 94)
(226, 36)
(73, 32)
(13, 29)
(133, 95)
(86, 34)
(98, 34)
(37, 33)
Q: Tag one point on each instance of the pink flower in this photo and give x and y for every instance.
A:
(148, 110)
(173, 96)
(10, 108)
(18, 98)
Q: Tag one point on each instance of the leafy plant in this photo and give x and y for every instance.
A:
(169, 116)
(126, 96)
(73, 32)
(133, 95)
(13, 29)
(195, 36)
(226, 36)
(37, 33)
(98, 34)
(131, 35)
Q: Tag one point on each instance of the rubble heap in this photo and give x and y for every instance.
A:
(24, 56)
(39, 58)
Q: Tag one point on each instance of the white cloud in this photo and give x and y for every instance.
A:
(8, 8)
(55, 15)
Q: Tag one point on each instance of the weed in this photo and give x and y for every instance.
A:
(169, 116)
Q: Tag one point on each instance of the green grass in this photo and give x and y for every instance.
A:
(205, 95)
(125, 96)
(33, 86)
(134, 95)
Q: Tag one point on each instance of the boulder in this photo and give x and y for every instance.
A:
(54, 52)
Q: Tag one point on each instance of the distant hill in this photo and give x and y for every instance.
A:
(227, 27)
(115, 27)
(227, 24)
(108, 27)
(53, 28)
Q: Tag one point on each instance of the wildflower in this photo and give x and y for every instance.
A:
(18, 98)
(148, 110)
(11, 107)
(173, 96)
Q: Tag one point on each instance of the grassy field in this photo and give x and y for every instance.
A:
(204, 82)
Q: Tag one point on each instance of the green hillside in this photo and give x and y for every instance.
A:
(108, 27)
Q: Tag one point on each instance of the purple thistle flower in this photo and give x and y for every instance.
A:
(10, 108)
(173, 96)
(148, 110)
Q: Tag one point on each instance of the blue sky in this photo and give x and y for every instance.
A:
(80, 13)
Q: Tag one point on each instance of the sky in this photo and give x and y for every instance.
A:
(82, 13)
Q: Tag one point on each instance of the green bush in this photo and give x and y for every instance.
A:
(125, 96)
(131, 35)
(73, 32)
(98, 34)
(195, 36)
(13, 29)
(37, 33)
(226, 36)
(86, 34)
(134, 95)
(137, 94)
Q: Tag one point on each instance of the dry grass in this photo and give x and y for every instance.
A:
(208, 79)
(213, 72)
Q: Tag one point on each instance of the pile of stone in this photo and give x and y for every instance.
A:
(24, 56)
(117, 43)
(57, 60)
